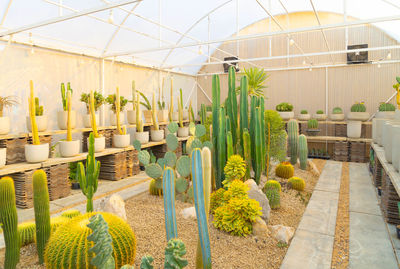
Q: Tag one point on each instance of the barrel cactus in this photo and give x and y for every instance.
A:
(303, 152)
(296, 183)
(26, 231)
(69, 247)
(358, 107)
(337, 110)
(272, 184)
(71, 213)
(303, 112)
(293, 138)
(274, 198)
(386, 107)
(56, 222)
(284, 170)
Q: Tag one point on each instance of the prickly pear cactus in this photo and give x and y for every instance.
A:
(172, 142)
(183, 166)
(170, 159)
(154, 170)
(144, 157)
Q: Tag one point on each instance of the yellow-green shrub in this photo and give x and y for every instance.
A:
(235, 168)
(216, 199)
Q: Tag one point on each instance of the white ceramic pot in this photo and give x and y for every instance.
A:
(4, 125)
(41, 122)
(87, 120)
(62, 117)
(113, 118)
(185, 114)
(387, 140)
(183, 131)
(396, 146)
(374, 130)
(36, 153)
(385, 115)
(131, 115)
(157, 135)
(320, 116)
(121, 141)
(147, 116)
(70, 148)
(3, 157)
(175, 116)
(167, 132)
(379, 130)
(337, 117)
(358, 116)
(304, 116)
(354, 129)
(99, 143)
(143, 137)
(286, 115)
(162, 115)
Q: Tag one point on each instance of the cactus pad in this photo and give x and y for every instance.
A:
(137, 145)
(272, 184)
(200, 130)
(183, 166)
(207, 144)
(296, 183)
(274, 198)
(181, 185)
(161, 162)
(172, 127)
(71, 213)
(154, 170)
(170, 159)
(284, 170)
(172, 142)
(144, 157)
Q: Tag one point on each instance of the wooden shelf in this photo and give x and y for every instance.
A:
(338, 138)
(333, 122)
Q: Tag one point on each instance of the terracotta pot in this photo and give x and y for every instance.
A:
(41, 122)
(87, 120)
(121, 141)
(113, 118)
(3, 157)
(62, 117)
(4, 125)
(99, 143)
(157, 135)
(70, 148)
(143, 137)
(36, 153)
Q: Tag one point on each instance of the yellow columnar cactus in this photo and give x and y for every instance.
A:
(154, 113)
(32, 112)
(180, 113)
(398, 97)
(133, 94)
(171, 103)
(93, 115)
(69, 101)
(139, 123)
(121, 131)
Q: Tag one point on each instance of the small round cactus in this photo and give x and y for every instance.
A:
(284, 170)
(320, 112)
(337, 110)
(172, 142)
(272, 184)
(358, 107)
(386, 107)
(183, 166)
(154, 170)
(304, 111)
(71, 213)
(312, 124)
(296, 183)
(274, 198)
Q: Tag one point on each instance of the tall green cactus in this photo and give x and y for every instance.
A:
(64, 94)
(258, 148)
(200, 205)
(169, 203)
(252, 128)
(221, 148)
(303, 151)
(88, 179)
(229, 146)
(263, 143)
(215, 128)
(244, 124)
(203, 114)
(293, 138)
(247, 151)
(231, 104)
(9, 221)
(41, 204)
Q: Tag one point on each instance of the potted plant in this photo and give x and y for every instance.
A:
(122, 139)
(140, 135)
(99, 141)
(358, 112)
(304, 115)
(162, 113)
(182, 130)
(62, 115)
(98, 102)
(146, 113)
(113, 116)
(131, 114)
(312, 126)
(155, 133)
(385, 111)
(285, 110)
(6, 101)
(41, 120)
(320, 115)
(185, 112)
(35, 152)
(3, 157)
(337, 114)
(69, 147)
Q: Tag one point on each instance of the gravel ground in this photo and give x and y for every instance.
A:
(146, 216)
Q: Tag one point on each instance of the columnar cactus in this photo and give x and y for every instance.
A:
(221, 148)
(32, 114)
(180, 108)
(121, 131)
(274, 198)
(303, 152)
(133, 95)
(69, 132)
(215, 128)
(244, 116)
(272, 184)
(231, 104)
(88, 179)
(229, 145)
(247, 151)
(154, 113)
(139, 122)
(200, 205)
(9, 221)
(171, 103)
(64, 94)
(293, 138)
(41, 205)
(263, 143)
(93, 115)
(38, 108)
(258, 147)
(169, 203)
(203, 114)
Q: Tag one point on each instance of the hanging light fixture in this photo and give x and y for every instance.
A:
(200, 50)
(291, 42)
(389, 55)
(379, 65)
(304, 62)
(111, 17)
(310, 69)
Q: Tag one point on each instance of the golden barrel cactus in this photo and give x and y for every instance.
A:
(297, 183)
(284, 170)
(68, 247)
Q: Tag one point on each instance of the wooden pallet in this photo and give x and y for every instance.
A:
(58, 181)
(23, 189)
(114, 166)
(377, 173)
(341, 151)
(341, 130)
(15, 149)
(107, 133)
(389, 201)
(357, 152)
(132, 163)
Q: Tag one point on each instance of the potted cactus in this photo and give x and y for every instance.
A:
(320, 115)
(41, 120)
(185, 112)
(122, 139)
(63, 114)
(69, 147)
(6, 102)
(35, 152)
(312, 126)
(99, 141)
(337, 114)
(155, 133)
(98, 102)
(182, 130)
(147, 112)
(140, 135)
(304, 115)
(113, 115)
(358, 112)
(162, 113)
(285, 110)
(131, 114)
(386, 111)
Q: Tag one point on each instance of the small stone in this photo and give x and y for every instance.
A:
(282, 233)
(189, 213)
(113, 204)
(256, 194)
(260, 228)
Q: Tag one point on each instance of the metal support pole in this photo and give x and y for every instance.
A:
(102, 85)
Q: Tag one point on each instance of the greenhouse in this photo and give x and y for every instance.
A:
(200, 134)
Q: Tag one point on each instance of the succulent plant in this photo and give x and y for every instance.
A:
(272, 184)
(170, 159)
(235, 168)
(304, 111)
(172, 127)
(293, 139)
(284, 107)
(155, 187)
(274, 198)
(312, 124)
(181, 185)
(358, 107)
(26, 231)
(71, 213)
(319, 112)
(172, 142)
(296, 183)
(137, 145)
(386, 107)
(144, 157)
(200, 131)
(183, 166)
(284, 170)
(337, 110)
(154, 170)
(208, 144)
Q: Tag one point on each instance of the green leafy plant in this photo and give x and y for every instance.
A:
(337, 110)
(358, 107)
(146, 102)
(304, 111)
(6, 102)
(111, 101)
(256, 79)
(320, 112)
(386, 107)
(98, 100)
(284, 107)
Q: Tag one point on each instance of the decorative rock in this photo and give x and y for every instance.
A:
(189, 213)
(260, 228)
(113, 204)
(282, 233)
(314, 168)
(256, 194)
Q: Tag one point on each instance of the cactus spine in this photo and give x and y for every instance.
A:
(69, 101)
(243, 107)
(9, 221)
(200, 205)
(247, 151)
(139, 123)
(303, 152)
(154, 113)
(88, 179)
(42, 211)
(118, 111)
(171, 105)
(231, 104)
(293, 138)
(169, 203)
(215, 129)
(32, 113)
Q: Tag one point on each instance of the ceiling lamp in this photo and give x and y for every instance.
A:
(291, 42)
(389, 55)
(111, 17)
(379, 65)
(200, 50)
(304, 62)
